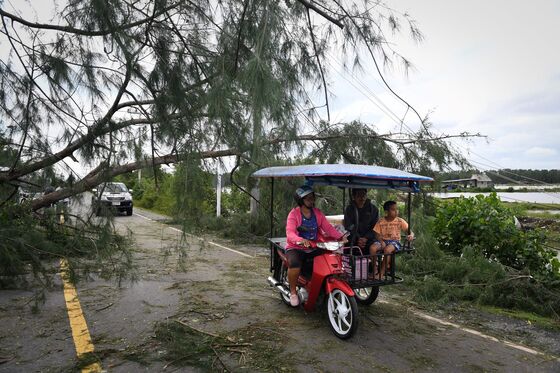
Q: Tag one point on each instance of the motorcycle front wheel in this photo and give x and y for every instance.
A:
(342, 312)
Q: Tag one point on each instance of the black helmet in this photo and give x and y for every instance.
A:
(301, 192)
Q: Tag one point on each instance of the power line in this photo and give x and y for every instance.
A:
(394, 117)
(397, 119)
(389, 114)
(515, 181)
(368, 94)
(386, 110)
(509, 172)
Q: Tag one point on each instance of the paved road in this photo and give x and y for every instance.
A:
(221, 291)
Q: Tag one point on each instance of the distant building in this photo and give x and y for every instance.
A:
(482, 181)
(475, 181)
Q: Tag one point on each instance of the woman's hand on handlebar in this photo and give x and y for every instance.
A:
(304, 242)
(344, 238)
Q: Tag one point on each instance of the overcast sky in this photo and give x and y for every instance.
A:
(485, 66)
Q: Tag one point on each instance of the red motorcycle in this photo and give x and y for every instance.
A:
(344, 277)
(320, 278)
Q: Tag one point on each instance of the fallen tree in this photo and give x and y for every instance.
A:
(125, 85)
(104, 173)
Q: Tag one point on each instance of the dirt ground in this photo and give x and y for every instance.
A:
(197, 307)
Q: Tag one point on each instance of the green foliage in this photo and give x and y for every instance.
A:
(442, 277)
(28, 246)
(186, 347)
(234, 202)
(359, 143)
(194, 190)
(487, 226)
(160, 199)
(189, 346)
(350, 146)
(239, 227)
(472, 278)
(236, 76)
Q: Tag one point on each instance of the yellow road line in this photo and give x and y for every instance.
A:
(80, 331)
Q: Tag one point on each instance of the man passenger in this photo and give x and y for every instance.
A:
(360, 217)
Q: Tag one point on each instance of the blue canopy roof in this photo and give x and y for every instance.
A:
(349, 176)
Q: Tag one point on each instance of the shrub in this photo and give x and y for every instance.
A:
(234, 201)
(485, 225)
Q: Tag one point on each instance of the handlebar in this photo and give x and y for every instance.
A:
(330, 245)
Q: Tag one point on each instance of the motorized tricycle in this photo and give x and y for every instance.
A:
(341, 275)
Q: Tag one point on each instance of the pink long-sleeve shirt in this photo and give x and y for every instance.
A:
(326, 230)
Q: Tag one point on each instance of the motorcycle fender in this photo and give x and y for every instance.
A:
(335, 283)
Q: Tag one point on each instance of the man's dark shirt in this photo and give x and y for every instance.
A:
(362, 224)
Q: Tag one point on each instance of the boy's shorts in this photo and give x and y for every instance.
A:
(395, 243)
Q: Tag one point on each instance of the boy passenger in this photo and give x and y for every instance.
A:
(388, 236)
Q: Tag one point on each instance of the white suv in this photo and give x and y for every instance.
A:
(112, 196)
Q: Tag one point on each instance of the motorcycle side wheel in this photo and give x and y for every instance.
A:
(284, 281)
(342, 311)
(366, 296)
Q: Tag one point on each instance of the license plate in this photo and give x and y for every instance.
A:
(116, 203)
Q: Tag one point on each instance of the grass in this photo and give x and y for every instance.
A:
(156, 208)
(554, 236)
(529, 317)
(525, 206)
(542, 214)
(534, 210)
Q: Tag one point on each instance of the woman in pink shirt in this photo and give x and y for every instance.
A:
(313, 226)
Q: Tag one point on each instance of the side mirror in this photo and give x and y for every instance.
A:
(130, 190)
(94, 190)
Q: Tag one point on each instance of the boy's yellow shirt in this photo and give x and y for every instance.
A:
(391, 230)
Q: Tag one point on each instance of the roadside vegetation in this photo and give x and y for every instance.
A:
(471, 251)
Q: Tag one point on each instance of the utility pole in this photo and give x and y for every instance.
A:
(218, 191)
